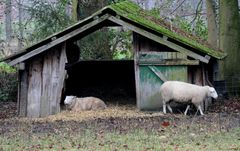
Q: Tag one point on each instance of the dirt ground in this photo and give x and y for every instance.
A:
(221, 116)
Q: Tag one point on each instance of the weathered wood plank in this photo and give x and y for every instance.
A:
(198, 79)
(62, 73)
(58, 41)
(46, 84)
(158, 74)
(34, 88)
(162, 55)
(169, 62)
(136, 68)
(46, 80)
(57, 78)
(22, 92)
(54, 80)
(159, 39)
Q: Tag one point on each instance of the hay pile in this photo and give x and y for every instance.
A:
(113, 111)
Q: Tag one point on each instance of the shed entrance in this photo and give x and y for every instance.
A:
(111, 80)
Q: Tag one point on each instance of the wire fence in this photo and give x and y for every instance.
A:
(230, 86)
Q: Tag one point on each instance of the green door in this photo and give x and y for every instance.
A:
(153, 70)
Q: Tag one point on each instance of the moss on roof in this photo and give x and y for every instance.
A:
(135, 13)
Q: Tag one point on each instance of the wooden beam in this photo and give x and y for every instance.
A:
(168, 62)
(20, 66)
(58, 41)
(159, 39)
(158, 74)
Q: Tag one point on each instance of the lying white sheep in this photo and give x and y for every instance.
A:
(82, 104)
(185, 92)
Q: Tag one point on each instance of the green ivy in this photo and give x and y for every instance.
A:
(5, 68)
(8, 83)
(199, 28)
(48, 18)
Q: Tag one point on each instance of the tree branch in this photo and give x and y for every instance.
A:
(178, 7)
(197, 12)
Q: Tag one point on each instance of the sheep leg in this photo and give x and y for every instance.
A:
(164, 108)
(185, 113)
(201, 112)
(169, 108)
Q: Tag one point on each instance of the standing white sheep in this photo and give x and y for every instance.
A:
(82, 104)
(185, 92)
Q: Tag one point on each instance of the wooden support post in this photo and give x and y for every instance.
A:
(22, 92)
(136, 48)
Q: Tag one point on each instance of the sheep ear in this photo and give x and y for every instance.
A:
(211, 89)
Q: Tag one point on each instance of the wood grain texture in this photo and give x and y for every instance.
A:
(34, 88)
(45, 83)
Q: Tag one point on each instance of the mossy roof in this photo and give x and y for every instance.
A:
(135, 14)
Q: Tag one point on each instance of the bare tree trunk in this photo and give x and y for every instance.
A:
(230, 43)
(74, 10)
(20, 23)
(212, 26)
(8, 20)
(86, 8)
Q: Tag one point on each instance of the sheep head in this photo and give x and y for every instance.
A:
(69, 99)
(212, 93)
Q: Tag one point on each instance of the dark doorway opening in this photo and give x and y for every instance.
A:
(111, 80)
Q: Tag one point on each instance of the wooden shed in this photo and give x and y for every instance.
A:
(161, 53)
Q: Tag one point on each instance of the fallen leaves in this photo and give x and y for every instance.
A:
(8, 109)
(165, 124)
(231, 105)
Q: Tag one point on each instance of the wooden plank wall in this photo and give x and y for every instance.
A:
(45, 82)
(147, 45)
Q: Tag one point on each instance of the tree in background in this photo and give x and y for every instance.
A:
(212, 22)
(230, 43)
(29, 21)
(47, 18)
(8, 20)
(104, 43)
(6, 29)
(95, 45)
(185, 14)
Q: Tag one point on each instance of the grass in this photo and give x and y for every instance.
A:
(139, 140)
(121, 128)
